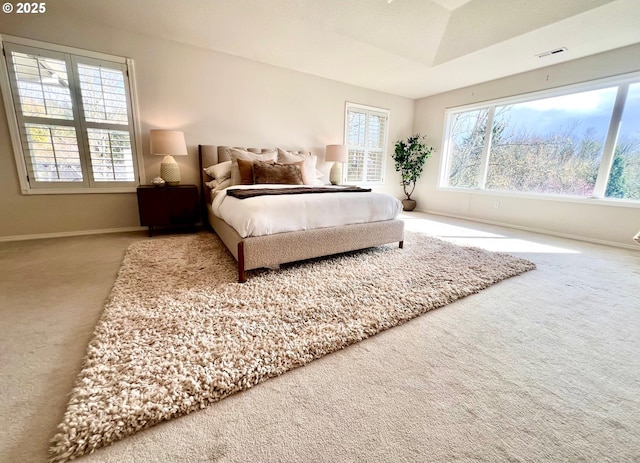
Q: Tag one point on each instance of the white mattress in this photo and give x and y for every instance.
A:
(267, 215)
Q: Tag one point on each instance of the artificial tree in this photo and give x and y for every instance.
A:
(410, 156)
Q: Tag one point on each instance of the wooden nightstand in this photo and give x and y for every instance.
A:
(168, 206)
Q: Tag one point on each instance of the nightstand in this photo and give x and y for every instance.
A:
(168, 206)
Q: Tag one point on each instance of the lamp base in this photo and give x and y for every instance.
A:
(335, 176)
(169, 171)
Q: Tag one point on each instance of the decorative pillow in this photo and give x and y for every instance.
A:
(219, 171)
(246, 171)
(310, 160)
(247, 156)
(299, 165)
(289, 174)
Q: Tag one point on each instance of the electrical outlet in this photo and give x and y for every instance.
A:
(496, 205)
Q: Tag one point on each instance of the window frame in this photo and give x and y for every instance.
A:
(367, 109)
(72, 56)
(622, 83)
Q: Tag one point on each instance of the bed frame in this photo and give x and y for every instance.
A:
(272, 250)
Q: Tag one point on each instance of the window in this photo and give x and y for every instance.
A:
(70, 117)
(583, 143)
(366, 139)
(467, 142)
(624, 177)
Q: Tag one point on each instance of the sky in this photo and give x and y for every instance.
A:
(593, 109)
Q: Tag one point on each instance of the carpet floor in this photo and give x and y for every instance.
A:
(178, 333)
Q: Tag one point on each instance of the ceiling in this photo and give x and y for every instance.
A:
(412, 48)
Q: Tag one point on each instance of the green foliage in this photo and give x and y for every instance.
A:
(617, 186)
(470, 128)
(563, 162)
(409, 157)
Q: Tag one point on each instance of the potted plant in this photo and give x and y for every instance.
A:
(410, 156)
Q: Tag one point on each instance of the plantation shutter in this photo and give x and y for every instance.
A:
(377, 130)
(74, 118)
(366, 139)
(106, 116)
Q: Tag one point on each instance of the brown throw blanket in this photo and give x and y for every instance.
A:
(243, 194)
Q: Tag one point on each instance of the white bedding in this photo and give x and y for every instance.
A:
(266, 215)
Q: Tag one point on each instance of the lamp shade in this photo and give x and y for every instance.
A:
(336, 153)
(168, 142)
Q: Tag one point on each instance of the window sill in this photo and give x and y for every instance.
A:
(77, 191)
(548, 197)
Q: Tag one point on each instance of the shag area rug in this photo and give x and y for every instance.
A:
(179, 333)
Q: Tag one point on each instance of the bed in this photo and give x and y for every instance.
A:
(270, 249)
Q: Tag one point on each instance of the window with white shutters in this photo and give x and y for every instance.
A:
(366, 139)
(71, 119)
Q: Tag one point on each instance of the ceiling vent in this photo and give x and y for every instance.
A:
(552, 52)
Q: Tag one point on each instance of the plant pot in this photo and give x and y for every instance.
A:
(408, 204)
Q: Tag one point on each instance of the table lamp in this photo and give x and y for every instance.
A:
(168, 143)
(337, 154)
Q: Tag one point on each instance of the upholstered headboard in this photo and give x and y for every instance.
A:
(210, 155)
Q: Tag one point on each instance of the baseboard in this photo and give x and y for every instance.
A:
(41, 236)
(615, 244)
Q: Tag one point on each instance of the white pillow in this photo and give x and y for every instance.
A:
(222, 185)
(309, 171)
(247, 156)
(219, 171)
(216, 185)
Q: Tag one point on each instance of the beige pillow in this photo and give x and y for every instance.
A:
(216, 185)
(219, 171)
(247, 156)
(289, 174)
(309, 169)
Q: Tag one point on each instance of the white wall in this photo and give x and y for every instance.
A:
(597, 222)
(213, 97)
